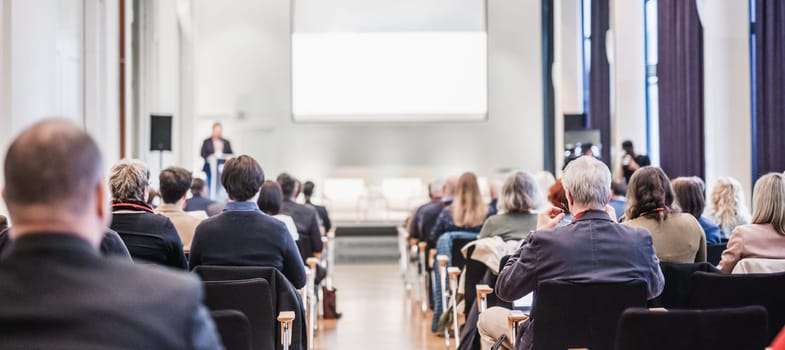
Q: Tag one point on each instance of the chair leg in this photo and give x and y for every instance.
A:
(454, 273)
(312, 263)
(442, 262)
(423, 277)
(285, 318)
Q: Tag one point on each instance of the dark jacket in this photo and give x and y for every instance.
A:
(149, 237)
(197, 203)
(111, 244)
(247, 238)
(208, 150)
(59, 293)
(592, 248)
(424, 219)
(307, 221)
(323, 216)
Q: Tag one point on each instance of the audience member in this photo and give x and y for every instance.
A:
(305, 218)
(493, 205)
(198, 201)
(467, 213)
(450, 187)
(689, 195)
(520, 198)
(619, 199)
(544, 182)
(174, 183)
(425, 216)
(727, 205)
(270, 198)
(57, 291)
(149, 237)
(558, 198)
(631, 161)
(678, 237)
(592, 249)
(765, 236)
(242, 235)
(321, 210)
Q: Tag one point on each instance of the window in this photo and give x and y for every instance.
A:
(652, 83)
(586, 34)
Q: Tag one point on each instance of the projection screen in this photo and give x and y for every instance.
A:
(389, 60)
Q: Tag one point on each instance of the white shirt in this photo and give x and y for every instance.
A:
(289, 222)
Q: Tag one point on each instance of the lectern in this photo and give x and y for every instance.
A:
(216, 161)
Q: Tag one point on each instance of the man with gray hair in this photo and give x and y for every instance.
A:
(593, 248)
(57, 290)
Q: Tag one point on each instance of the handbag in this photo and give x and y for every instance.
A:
(330, 308)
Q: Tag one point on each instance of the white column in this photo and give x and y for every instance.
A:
(727, 121)
(628, 110)
(567, 69)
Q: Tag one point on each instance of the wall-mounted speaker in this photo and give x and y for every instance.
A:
(160, 132)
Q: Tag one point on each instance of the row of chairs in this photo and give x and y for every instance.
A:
(256, 308)
(693, 292)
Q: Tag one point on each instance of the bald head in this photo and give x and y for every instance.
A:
(53, 170)
(450, 186)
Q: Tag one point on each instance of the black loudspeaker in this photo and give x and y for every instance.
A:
(160, 132)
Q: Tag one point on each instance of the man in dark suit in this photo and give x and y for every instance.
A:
(593, 248)
(242, 235)
(425, 216)
(305, 218)
(58, 292)
(214, 145)
(198, 201)
(321, 210)
(631, 161)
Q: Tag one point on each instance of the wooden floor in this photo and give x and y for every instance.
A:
(377, 314)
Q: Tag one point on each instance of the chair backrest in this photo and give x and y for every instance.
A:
(234, 328)
(676, 293)
(146, 248)
(757, 265)
(457, 259)
(714, 253)
(582, 315)
(720, 329)
(251, 297)
(715, 291)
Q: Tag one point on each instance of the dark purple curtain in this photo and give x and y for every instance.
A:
(680, 73)
(599, 77)
(769, 125)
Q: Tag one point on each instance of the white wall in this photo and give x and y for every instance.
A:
(628, 109)
(727, 122)
(242, 78)
(59, 59)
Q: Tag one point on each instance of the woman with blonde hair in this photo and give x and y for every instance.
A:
(467, 213)
(520, 198)
(765, 236)
(726, 205)
(677, 237)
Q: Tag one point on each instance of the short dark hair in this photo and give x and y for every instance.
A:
(197, 185)
(173, 183)
(242, 177)
(626, 144)
(619, 188)
(308, 188)
(688, 192)
(270, 198)
(53, 162)
(288, 184)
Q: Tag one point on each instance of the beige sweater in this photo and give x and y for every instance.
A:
(678, 239)
(752, 241)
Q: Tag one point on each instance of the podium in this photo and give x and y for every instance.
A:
(216, 162)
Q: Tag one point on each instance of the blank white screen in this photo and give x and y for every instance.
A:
(389, 76)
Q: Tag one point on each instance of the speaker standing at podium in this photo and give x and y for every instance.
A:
(216, 147)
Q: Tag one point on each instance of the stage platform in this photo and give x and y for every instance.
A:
(366, 242)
